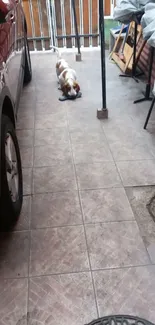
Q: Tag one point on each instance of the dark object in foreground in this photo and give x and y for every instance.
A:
(149, 112)
(62, 98)
(14, 71)
(120, 320)
(151, 207)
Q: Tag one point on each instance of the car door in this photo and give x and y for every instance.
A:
(10, 47)
(13, 63)
(20, 45)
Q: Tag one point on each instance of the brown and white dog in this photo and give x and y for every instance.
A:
(66, 77)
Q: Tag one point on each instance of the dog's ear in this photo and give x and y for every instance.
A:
(76, 87)
(64, 89)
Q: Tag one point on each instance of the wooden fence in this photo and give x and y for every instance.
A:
(51, 22)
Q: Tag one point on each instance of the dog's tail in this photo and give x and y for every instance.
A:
(57, 50)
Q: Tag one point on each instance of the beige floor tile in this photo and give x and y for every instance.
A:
(52, 155)
(57, 209)
(23, 222)
(27, 181)
(13, 301)
(126, 291)
(14, 254)
(56, 136)
(54, 179)
(57, 119)
(66, 299)
(58, 250)
(98, 175)
(27, 157)
(137, 173)
(105, 205)
(91, 153)
(115, 244)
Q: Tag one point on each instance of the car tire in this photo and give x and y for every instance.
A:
(28, 68)
(11, 176)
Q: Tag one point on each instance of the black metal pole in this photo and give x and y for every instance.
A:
(149, 113)
(134, 51)
(76, 27)
(102, 39)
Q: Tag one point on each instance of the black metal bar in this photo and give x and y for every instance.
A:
(39, 38)
(149, 112)
(148, 85)
(74, 36)
(134, 51)
(76, 26)
(102, 40)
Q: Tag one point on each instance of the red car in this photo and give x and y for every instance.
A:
(15, 69)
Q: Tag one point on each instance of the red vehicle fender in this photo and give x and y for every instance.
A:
(6, 5)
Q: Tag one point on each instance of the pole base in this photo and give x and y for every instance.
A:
(78, 57)
(102, 113)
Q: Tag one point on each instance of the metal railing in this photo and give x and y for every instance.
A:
(51, 22)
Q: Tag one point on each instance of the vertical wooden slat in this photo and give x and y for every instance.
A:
(63, 22)
(72, 24)
(45, 23)
(86, 21)
(68, 22)
(41, 24)
(94, 20)
(26, 9)
(54, 21)
(107, 7)
(58, 21)
(81, 18)
(36, 22)
(90, 22)
(87, 18)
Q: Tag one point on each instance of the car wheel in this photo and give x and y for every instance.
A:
(11, 176)
(28, 68)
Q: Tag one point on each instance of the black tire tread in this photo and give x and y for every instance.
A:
(10, 211)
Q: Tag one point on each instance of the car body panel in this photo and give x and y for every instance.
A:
(12, 56)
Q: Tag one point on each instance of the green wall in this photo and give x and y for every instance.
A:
(109, 23)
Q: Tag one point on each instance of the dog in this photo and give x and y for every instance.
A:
(67, 78)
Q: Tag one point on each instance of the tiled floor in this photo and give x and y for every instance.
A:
(84, 245)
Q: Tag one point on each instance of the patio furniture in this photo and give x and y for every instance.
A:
(136, 54)
(148, 85)
(120, 320)
(149, 112)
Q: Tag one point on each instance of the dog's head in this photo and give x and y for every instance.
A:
(71, 89)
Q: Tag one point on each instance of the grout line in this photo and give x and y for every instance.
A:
(89, 189)
(134, 160)
(97, 223)
(29, 254)
(102, 127)
(140, 232)
(147, 253)
(92, 278)
(85, 235)
(86, 189)
(79, 272)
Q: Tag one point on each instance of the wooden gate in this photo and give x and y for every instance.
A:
(51, 22)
